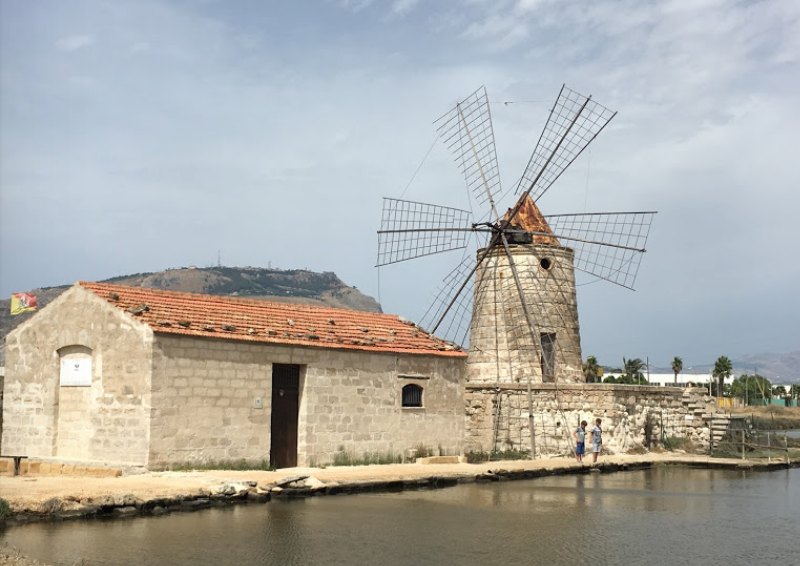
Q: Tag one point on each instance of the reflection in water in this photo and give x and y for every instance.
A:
(673, 515)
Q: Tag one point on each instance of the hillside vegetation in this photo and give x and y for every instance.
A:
(293, 285)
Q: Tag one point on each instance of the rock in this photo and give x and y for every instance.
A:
(258, 497)
(51, 506)
(192, 504)
(313, 483)
(125, 511)
(286, 481)
(234, 488)
(126, 500)
(277, 489)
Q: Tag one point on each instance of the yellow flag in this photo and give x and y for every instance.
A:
(22, 302)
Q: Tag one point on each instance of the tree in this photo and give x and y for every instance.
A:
(779, 391)
(632, 372)
(677, 367)
(592, 371)
(722, 369)
(751, 387)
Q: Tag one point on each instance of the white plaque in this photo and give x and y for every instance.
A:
(76, 372)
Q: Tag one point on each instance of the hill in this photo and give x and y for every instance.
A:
(292, 286)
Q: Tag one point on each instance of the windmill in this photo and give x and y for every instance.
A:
(514, 299)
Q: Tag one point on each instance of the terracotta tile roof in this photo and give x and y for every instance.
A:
(530, 219)
(253, 320)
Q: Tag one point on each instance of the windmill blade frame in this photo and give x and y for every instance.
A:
(411, 229)
(608, 245)
(574, 122)
(467, 131)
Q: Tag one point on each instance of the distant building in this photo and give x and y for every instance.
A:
(684, 379)
(141, 377)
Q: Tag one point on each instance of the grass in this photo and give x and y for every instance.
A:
(771, 417)
(476, 457)
(680, 443)
(5, 509)
(242, 465)
(347, 458)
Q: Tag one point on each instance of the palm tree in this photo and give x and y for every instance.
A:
(677, 367)
(592, 370)
(722, 369)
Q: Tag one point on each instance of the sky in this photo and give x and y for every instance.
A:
(141, 135)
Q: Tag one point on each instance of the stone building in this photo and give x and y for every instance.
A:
(132, 376)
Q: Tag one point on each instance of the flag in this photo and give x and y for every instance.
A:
(22, 302)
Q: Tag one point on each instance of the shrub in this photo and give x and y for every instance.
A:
(5, 509)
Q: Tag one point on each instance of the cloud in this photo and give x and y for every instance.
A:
(74, 42)
(140, 47)
(401, 7)
(249, 119)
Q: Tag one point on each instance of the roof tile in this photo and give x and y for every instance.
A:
(255, 320)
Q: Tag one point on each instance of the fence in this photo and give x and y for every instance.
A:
(772, 445)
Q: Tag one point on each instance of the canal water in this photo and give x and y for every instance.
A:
(667, 515)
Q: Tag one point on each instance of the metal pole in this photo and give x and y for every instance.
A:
(786, 447)
(743, 444)
(769, 452)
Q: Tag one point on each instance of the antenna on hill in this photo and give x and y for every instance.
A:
(219, 258)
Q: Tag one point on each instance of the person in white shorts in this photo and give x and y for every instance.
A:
(597, 439)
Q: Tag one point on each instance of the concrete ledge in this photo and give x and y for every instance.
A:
(46, 468)
(442, 460)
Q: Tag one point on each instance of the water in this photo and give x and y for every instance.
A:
(666, 515)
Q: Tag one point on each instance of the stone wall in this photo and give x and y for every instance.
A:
(212, 401)
(353, 402)
(501, 346)
(107, 419)
(633, 416)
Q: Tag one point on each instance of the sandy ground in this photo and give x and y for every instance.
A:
(27, 493)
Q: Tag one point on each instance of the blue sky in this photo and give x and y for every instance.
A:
(137, 136)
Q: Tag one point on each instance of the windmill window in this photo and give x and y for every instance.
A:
(548, 357)
(412, 395)
(545, 263)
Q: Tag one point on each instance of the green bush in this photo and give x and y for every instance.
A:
(242, 465)
(5, 509)
(477, 456)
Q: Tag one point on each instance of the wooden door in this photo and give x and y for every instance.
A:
(283, 422)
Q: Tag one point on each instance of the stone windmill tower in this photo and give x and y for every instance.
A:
(514, 299)
(501, 348)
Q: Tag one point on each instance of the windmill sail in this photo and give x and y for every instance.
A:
(574, 121)
(414, 229)
(608, 245)
(468, 133)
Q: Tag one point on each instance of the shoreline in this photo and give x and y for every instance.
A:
(35, 498)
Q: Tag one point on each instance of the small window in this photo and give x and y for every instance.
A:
(412, 395)
(75, 366)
